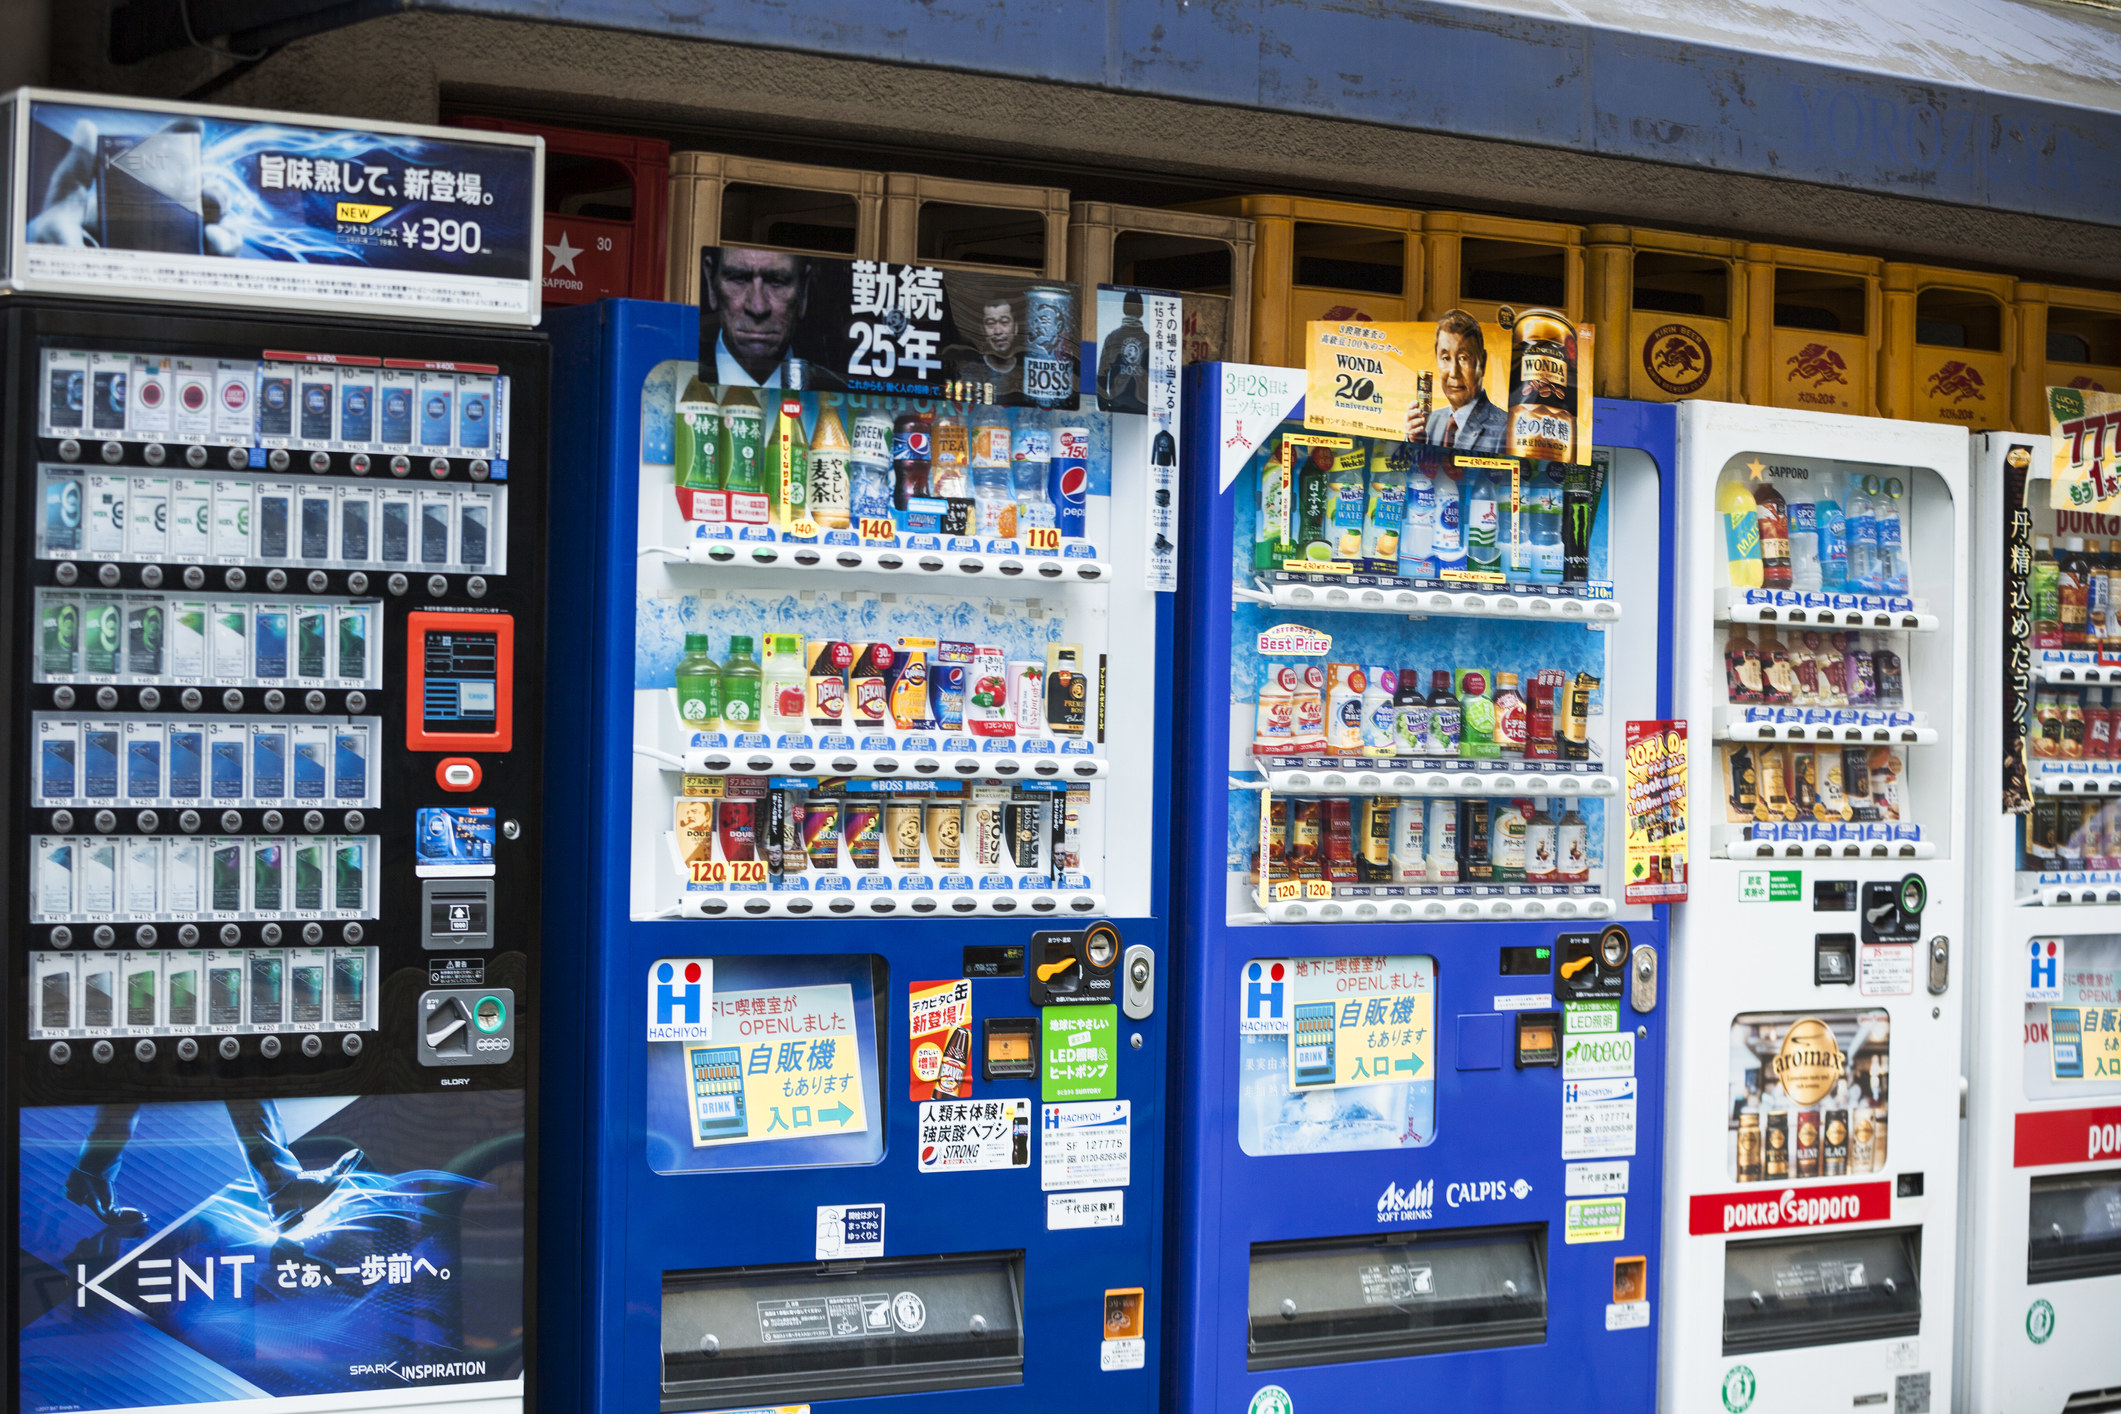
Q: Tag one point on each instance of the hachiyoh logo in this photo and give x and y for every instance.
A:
(1817, 365)
(1793, 1209)
(1677, 358)
(422, 1374)
(1958, 381)
(1400, 1205)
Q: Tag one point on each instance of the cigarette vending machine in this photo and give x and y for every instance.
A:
(273, 617)
(1417, 1150)
(1815, 1071)
(2042, 1218)
(864, 890)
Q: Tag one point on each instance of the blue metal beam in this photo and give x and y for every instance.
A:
(1878, 122)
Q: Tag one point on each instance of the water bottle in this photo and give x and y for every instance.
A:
(1833, 534)
(1804, 545)
(1863, 535)
(994, 497)
(1483, 523)
(1032, 461)
(1892, 556)
(1417, 533)
(1542, 525)
(870, 495)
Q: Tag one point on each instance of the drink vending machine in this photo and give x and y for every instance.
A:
(2042, 1218)
(860, 714)
(1418, 1140)
(273, 579)
(1815, 1062)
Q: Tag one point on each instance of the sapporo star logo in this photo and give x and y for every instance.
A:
(563, 256)
(1755, 466)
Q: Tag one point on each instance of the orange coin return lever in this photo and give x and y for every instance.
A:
(1047, 971)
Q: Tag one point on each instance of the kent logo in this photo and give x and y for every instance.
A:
(679, 994)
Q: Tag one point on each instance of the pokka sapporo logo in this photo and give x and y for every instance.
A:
(1817, 365)
(1958, 381)
(1677, 358)
(1810, 1062)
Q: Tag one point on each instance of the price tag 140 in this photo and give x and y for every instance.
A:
(880, 528)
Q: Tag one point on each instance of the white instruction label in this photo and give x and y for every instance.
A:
(1087, 1144)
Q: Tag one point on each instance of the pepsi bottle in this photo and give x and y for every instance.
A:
(912, 452)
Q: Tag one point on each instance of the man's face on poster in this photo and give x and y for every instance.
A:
(998, 325)
(1461, 364)
(760, 294)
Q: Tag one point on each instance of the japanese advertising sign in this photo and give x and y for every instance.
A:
(2072, 1016)
(1521, 389)
(1656, 806)
(2085, 424)
(2017, 624)
(780, 320)
(1809, 1094)
(964, 1136)
(940, 1033)
(1300, 1046)
(171, 201)
(201, 1253)
(782, 1069)
(1136, 371)
(1080, 1059)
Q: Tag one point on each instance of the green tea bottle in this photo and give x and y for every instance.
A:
(699, 686)
(741, 682)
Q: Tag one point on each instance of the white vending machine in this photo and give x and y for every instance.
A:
(1812, 1142)
(2041, 1282)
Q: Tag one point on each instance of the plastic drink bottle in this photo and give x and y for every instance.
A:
(741, 686)
(699, 682)
(1741, 533)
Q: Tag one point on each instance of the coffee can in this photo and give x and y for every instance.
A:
(1024, 822)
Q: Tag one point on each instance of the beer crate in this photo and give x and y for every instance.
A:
(604, 224)
(1206, 259)
(1950, 345)
(717, 199)
(1316, 259)
(1812, 330)
(1669, 311)
(2066, 339)
(961, 225)
(1484, 264)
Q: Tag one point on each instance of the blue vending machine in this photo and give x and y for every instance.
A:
(1417, 1143)
(860, 692)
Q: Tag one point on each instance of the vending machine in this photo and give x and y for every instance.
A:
(2041, 1223)
(271, 555)
(860, 706)
(1815, 1063)
(1418, 1132)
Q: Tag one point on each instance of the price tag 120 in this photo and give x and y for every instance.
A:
(724, 871)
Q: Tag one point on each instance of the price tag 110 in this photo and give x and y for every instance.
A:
(1042, 537)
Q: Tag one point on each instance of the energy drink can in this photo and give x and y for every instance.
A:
(1069, 479)
(829, 662)
(868, 686)
(911, 706)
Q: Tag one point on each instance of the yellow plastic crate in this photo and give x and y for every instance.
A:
(1484, 264)
(1669, 311)
(1812, 327)
(1324, 260)
(717, 199)
(1950, 345)
(961, 225)
(1207, 259)
(2066, 339)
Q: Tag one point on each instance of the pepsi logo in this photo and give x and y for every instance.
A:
(151, 393)
(234, 396)
(1074, 484)
(192, 396)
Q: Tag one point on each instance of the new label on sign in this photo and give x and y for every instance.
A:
(679, 990)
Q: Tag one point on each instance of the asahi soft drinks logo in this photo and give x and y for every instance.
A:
(1401, 1205)
(1809, 1063)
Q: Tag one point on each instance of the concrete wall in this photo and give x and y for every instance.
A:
(409, 67)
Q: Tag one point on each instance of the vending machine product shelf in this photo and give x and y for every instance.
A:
(1821, 629)
(1431, 758)
(864, 755)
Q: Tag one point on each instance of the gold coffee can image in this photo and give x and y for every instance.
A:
(1810, 1062)
(1543, 387)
